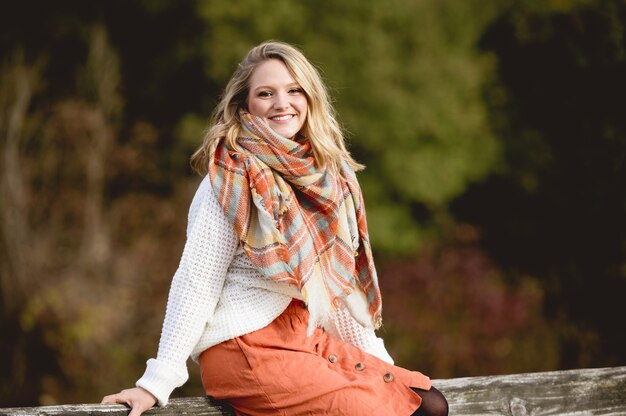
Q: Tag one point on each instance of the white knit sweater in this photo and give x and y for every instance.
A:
(216, 295)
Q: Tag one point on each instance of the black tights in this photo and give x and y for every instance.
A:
(433, 403)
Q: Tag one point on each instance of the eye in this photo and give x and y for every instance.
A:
(265, 94)
(296, 90)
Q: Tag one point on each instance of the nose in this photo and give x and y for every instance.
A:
(281, 101)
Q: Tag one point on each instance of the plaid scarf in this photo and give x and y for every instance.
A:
(297, 223)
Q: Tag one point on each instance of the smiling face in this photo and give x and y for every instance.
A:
(278, 98)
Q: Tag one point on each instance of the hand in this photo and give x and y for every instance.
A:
(137, 398)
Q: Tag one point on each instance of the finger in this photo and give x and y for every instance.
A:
(108, 399)
(115, 399)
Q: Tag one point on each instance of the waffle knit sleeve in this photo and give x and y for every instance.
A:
(344, 327)
(195, 290)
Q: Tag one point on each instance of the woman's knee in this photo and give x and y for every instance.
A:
(433, 403)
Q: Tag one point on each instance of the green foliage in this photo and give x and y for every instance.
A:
(504, 115)
(407, 80)
(232, 28)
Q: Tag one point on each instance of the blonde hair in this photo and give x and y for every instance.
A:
(320, 128)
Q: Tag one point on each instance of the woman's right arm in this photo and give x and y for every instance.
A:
(194, 293)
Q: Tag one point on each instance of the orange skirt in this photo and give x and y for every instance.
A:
(278, 370)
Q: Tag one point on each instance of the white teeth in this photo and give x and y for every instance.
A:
(281, 118)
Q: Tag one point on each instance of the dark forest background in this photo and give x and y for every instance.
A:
(494, 132)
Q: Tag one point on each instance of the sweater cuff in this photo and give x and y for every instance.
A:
(160, 380)
(378, 350)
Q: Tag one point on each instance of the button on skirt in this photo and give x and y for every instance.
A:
(278, 370)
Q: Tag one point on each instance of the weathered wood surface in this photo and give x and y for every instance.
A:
(196, 406)
(573, 392)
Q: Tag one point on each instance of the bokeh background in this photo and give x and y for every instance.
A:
(494, 134)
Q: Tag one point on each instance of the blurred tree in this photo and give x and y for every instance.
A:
(114, 98)
(556, 207)
(100, 81)
(450, 312)
(72, 219)
(408, 82)
(19, 81)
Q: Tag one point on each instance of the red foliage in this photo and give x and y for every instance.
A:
(450, 312)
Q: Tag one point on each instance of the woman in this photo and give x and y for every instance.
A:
(276, 296)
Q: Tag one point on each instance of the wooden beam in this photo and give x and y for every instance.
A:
(196, 406)
(574, 392)
(580, 392)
